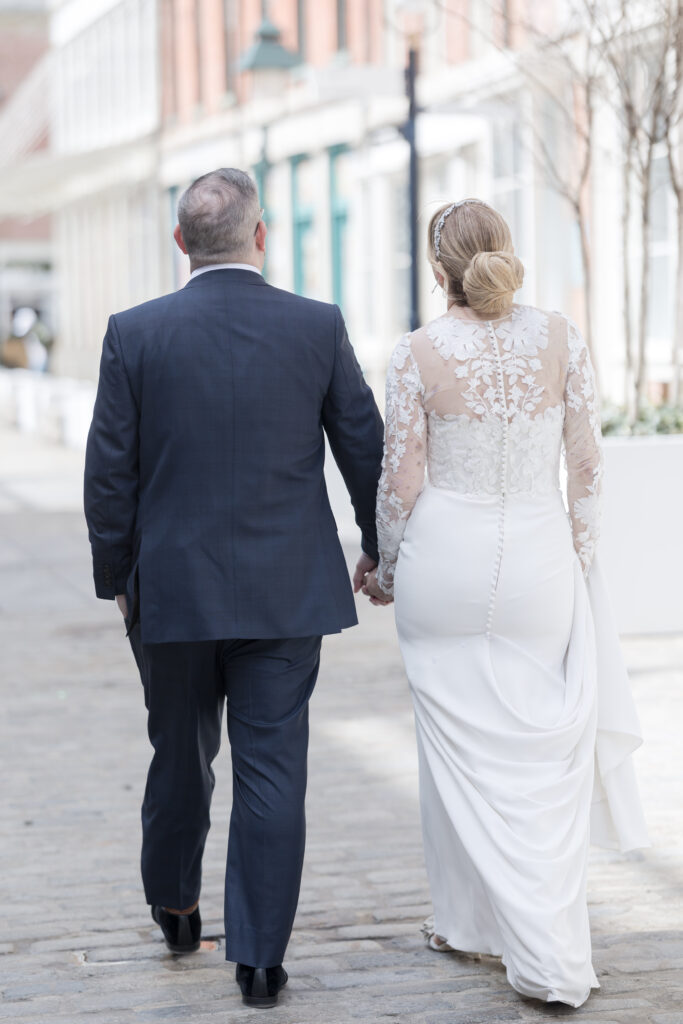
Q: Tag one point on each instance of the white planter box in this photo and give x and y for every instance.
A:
(56, 409)
(641, 545)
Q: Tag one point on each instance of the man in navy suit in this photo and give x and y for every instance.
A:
(210, 524)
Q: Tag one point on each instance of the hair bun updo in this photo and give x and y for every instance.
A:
(471, 246)
(491, 280)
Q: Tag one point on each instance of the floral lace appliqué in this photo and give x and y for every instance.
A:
(457, 339)
(583, 452)
(521, 337)
(497, 390)
(465, 454)
(404, 432)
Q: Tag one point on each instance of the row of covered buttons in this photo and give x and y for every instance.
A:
(503, 478)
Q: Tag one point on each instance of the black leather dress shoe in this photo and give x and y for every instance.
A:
(182, 932)
(260, 985)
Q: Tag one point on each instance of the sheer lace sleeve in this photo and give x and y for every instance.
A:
(582, 438)
(403, 466)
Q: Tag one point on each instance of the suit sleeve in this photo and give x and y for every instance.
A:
(111, 472)
(354, 429)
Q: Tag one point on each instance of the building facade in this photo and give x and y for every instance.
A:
(26, 251)
(146, 95)
(323, 140)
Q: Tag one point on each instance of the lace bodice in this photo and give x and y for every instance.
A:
(485, 406)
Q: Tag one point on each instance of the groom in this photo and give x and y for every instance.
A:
(210, 524)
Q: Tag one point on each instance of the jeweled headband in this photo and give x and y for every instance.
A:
(442, 219)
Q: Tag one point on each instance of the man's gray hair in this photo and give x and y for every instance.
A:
(218, 216)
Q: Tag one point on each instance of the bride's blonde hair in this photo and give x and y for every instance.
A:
(470, 244)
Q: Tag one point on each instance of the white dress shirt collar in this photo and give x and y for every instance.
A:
(224, 266)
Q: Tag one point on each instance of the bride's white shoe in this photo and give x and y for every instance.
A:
(439, 944)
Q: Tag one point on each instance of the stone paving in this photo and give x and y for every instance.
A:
(77, 943)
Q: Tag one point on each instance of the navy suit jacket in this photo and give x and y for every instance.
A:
(204, 488)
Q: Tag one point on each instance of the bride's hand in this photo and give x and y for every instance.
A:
(372, 589)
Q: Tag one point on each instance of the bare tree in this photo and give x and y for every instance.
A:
(639, 40)
(626, 55)
(562, 70)
(565, 74)
(630, 57)
(673, 148)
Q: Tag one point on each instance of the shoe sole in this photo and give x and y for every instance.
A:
(264, 1002)
(260, 1002)
(178, 950)
(181, 950)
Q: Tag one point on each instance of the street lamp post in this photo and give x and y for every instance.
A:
(267, 58)
(415, 16)
(268, 62)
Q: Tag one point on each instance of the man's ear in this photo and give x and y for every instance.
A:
(179, 239)
(261, 232)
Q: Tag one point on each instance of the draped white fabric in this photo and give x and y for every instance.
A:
(525, 720)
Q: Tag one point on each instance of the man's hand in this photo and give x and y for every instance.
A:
(123, 604)
(364, 566)
(372, 589)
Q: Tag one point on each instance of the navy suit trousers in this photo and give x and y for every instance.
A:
(266, 686)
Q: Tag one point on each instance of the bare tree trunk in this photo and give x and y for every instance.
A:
(583, 210)
(673, 153)
(677, 347)
(629, 368)
(641, 369)
(586, 267)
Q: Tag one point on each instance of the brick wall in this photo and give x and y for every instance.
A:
(202, 41)
(23, 41)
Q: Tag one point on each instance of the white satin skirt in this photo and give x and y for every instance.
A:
(525, 726)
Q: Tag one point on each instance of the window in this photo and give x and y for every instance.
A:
(339, 212)
(508, 183)
(480, 27)
(178, 261)
(304, 239)
(505, 16)
(198, 46)
(170, 59)
(341, 25)
(301, 27)
(260, 171)
(662, 259)
(230, 35)
(401, 250)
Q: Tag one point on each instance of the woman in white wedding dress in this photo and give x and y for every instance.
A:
(525, 721)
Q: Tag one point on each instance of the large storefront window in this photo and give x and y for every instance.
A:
(341, 25)
(178, 261)
(508, 175)
(304, 238)
(339, 214)
(401, 249)
(301, 27)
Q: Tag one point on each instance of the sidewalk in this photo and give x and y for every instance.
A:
(77, 943)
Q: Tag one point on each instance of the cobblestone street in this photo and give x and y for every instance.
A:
(77, 943)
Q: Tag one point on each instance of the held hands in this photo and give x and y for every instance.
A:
(372, 589)
(364, 578)
(364, 566)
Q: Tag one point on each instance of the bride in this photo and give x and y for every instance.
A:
(524, 717)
